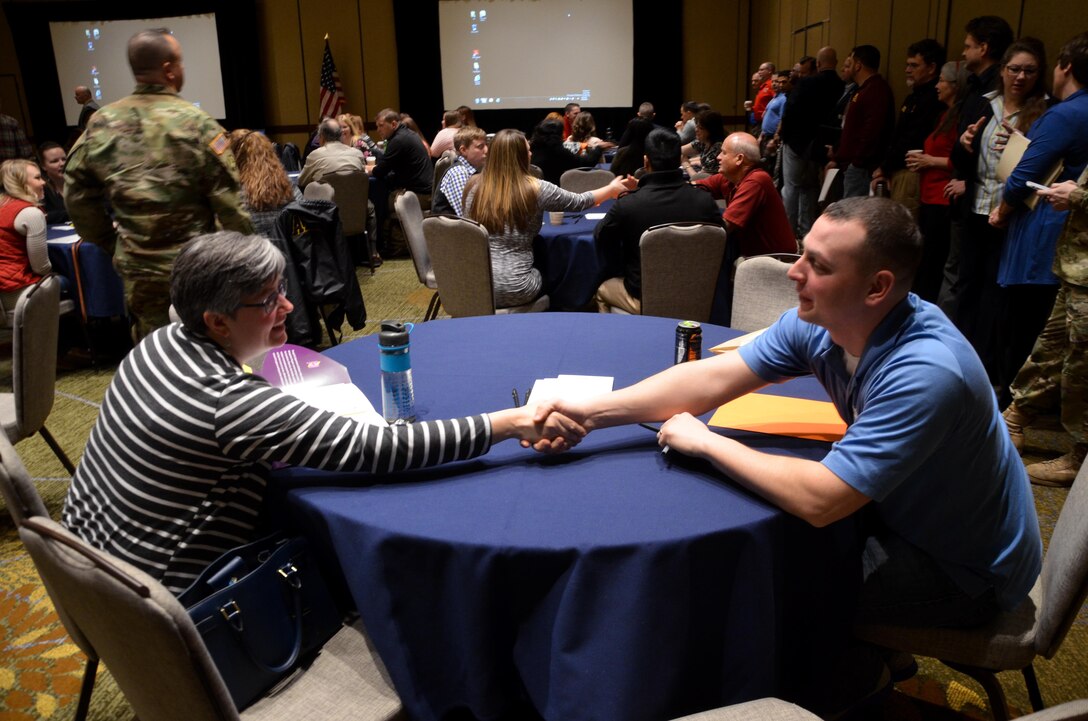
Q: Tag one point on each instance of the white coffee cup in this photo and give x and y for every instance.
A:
(555, 217)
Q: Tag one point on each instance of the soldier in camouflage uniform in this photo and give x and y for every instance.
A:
(1055, 377)
(166, 169)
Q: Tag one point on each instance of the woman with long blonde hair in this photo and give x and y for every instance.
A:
(266, 188)
(507, 200)
(24, 256)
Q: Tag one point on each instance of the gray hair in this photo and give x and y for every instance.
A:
(329, 130)
(216, 271)
(646, 110)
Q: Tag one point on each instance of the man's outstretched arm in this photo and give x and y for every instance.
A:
(806, 489)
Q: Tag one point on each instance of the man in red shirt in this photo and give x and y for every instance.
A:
(765, 92)
(867, 126)
(755, 218)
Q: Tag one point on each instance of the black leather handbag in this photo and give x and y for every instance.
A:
(263, 610)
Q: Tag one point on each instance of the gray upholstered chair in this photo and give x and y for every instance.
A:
(580, 180)
(461, 257)
(351, 193)
(34, 366)
(680, 267)
(535, 171)
(1013, 640)
(318, 190)
(159, 660)
(441, 167)
(762, 291)
(411, 220)
(765, 709)
(772, 709)
(23, 502)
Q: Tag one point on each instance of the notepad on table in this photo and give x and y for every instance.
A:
(569, 388)
(781, 416)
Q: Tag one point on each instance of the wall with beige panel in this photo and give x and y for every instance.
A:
(715, 53)
(363, 45)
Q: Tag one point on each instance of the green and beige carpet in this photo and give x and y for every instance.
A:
(41, 669)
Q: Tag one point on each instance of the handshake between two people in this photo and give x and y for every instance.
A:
(555, 426)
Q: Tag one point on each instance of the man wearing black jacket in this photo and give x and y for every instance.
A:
(806, 129)
(988, 37)
(917, 117)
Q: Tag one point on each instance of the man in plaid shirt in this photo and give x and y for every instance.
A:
(13, 142)
(471, 144)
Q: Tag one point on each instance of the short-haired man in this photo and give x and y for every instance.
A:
(639, 126)
(404, 165)
(471, 144)
(806, 119)
(662, 196)
(443, 140)
(952, 531)
(867, 125)
(918, 117)
(571, 110)
(166, 169)
(754, 215)
(331, 155)
(987, 39)
(765, 92)
(685, 126)
(90, 107)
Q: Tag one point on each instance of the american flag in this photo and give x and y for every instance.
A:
(332, 92)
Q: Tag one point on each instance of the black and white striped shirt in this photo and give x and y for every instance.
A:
(175, 469)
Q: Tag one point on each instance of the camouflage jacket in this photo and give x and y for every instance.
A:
(1071, 257)
(165, 167)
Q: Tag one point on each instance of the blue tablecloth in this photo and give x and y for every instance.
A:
(570, 263)
(90, 273)
(612, 582)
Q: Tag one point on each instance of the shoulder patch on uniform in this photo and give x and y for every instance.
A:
(220, 144)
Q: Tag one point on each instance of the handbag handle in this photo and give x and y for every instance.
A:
(233, 614)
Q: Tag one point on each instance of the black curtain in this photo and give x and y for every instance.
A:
(239, 54)
(657, 64)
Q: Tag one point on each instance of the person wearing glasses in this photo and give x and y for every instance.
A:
(175, 471)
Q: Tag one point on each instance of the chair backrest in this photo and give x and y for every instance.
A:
(23, 501)
(18, 491)
(351, 190)
(319, 191)
(411, 220)
(579, 180)
(141, 632)
(762, 291)
(1065, 569)
(34, 355)
(441, 167)
(680, 265)
(535, 171)
(461, 257)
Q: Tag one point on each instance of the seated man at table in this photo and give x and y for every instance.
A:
(754, 215)
(471, 145)
(404, 165)
(951, 531)
(662, 196)
(331, 157)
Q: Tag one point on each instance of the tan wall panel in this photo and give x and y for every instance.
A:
(765, 42)
(844, 27)
(340, 19)
(1054, 23)
(379, 56)
(12, 99)
(283, 79)
(712, 78)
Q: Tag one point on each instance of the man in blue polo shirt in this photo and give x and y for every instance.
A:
(954, 534)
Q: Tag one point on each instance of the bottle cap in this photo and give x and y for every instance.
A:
(394, 335)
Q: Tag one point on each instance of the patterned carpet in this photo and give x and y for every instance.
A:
(41, 669)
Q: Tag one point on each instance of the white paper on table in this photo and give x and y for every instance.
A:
(64, 226)
(595, 216)
(570, 388)
(67, 239)
(344, 399)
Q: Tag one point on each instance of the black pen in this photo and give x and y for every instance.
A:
(517, 402)
(647, 426)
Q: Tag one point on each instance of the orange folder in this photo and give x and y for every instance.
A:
(781, 416)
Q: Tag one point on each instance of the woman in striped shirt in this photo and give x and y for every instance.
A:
(174, 473)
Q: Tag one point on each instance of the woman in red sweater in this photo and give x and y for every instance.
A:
(24, 258)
